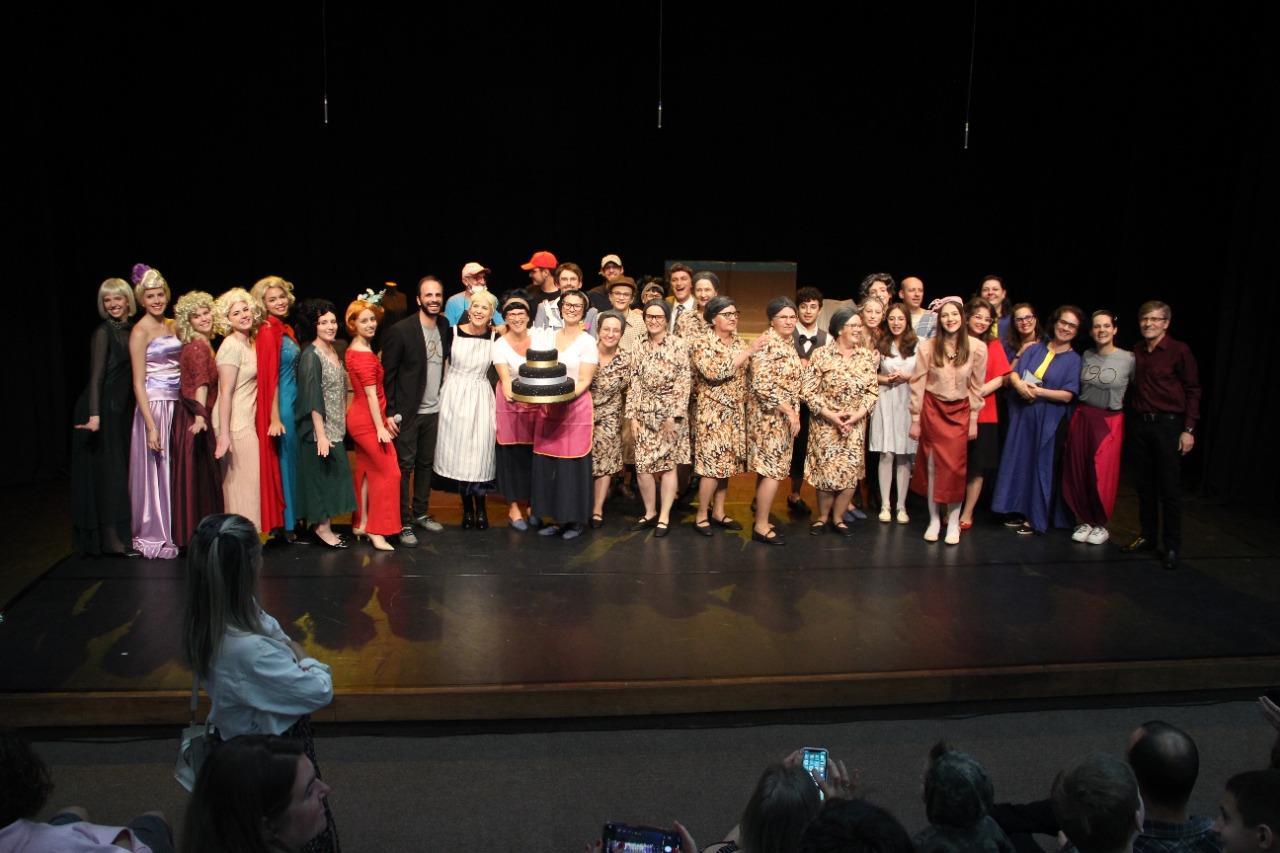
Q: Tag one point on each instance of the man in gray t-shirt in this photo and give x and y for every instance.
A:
(414, 353)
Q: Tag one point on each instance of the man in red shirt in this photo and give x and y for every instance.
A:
(1164, 406)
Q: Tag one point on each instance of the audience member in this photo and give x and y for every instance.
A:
(1097, 804)
(958, 797)
(256, 794)
(1166, 763)
(25, 786)
(855, 826)
(1249, 812)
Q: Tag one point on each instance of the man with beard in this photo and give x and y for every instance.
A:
(414, 354)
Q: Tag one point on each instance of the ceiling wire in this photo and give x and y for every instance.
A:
(973, 47)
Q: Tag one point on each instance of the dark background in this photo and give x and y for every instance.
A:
(1119, 152)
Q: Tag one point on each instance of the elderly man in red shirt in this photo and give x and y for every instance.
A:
(1164, 406)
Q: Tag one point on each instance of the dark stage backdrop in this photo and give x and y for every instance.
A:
(1118, 152)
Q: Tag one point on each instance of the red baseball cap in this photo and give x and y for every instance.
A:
(541, 261)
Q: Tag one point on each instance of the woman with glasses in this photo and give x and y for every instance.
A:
(719, 430)
(1091, 469)
(562, 484)
(773, 412)
(1046, 380)
(515, 419)
(608, 388)
(984, 451)
(840, 387)
(1022, 332)
(657, 404)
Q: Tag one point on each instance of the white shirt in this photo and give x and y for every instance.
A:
(256, 687)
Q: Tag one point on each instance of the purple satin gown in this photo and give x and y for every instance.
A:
(149, 475)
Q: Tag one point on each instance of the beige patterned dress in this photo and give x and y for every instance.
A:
(832, 381)
(776, 373)
(691, 326)
(608, 389)
(720, 397)
(659, 390)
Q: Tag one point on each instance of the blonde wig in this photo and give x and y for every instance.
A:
(227, 301)
(151, 279)
(116, 287)
(262, 285)
(189, 304)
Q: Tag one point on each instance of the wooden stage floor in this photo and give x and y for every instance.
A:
(498, 624)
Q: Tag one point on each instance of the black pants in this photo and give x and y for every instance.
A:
(1157, 468)
(416, 450)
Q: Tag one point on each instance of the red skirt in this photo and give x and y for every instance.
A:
(944, 432)
(1091, 463)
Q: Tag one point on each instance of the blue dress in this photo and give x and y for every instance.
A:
(1030, 469)
(288, 391)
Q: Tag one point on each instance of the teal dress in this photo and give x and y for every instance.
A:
(324, 483)
(288, 391)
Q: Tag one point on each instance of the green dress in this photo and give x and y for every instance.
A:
(324, 482)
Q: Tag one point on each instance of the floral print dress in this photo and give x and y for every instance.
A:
(776, 373)
(833, 382)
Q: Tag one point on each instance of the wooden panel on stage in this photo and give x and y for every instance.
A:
(752, 284)
(499, 624)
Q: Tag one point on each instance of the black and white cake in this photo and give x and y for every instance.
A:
(542, 379)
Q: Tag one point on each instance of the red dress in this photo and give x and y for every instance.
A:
(196, 489)
(374, 460)
(267, 344)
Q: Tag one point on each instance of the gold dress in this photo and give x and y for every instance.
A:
(659, 390)
(720, 397)
(776, 373)
(608, 390)
(833, 382)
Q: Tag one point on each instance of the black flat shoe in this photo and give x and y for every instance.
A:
(816, 528)
(644, 523)
(774, 538)
(661, 529)
(798, 506)
(340, 546)
(727, 523)
(703, 529)
(597, 521)
(841, 528)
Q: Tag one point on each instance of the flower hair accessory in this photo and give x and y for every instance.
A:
(139, 270)
(936, 305)
(371, 297)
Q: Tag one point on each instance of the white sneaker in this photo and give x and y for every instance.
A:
(1081, 533)
(885, 515)
(931, 532)
(902, 517)
(1098, 536)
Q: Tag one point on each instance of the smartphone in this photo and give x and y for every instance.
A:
(639, 839)
(815, 764)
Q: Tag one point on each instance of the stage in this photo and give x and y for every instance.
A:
(499, 624)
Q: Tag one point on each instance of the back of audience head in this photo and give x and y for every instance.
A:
(254, 794)
(957, 791)
(222, 585)
(784, 801)
(1097, 804)
(1249, 814)
(855, 826)
(24, 780)
(1165, 762)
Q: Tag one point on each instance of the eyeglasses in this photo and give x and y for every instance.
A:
(1026, 319)
(1153, 320)
(655, 317)
(731, 315)
(571, 306)
(1067, 324)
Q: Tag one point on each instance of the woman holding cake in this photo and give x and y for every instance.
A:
(719, 364)
(657, 404)
(608, 389)
(465, 447)
(515, 419)
(562, 432)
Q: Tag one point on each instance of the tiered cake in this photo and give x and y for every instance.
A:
(542, 379)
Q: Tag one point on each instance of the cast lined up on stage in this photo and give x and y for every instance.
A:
(594, 384)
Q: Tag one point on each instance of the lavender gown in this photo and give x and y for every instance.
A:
(149, 471)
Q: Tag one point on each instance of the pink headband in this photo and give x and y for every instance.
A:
(936, 305)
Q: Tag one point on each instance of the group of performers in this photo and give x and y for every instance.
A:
(169, 431)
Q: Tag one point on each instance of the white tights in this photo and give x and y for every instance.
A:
(935, 522)
(894, 468)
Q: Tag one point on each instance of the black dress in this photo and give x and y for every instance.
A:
(100, 460)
